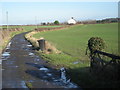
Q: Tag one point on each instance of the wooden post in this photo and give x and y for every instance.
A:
(41, 44)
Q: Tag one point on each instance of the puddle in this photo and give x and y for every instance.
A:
(5, 54)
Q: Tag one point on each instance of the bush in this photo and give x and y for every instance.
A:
(56, 22)
(95, 43)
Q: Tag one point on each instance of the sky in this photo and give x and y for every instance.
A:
(37, 12)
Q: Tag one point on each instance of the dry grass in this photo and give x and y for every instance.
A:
(49, 48)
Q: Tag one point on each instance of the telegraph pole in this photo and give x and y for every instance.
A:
(7, 19)
(36, 21)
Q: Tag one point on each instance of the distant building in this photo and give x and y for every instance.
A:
(72, 21)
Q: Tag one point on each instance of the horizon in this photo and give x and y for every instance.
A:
(25, 13)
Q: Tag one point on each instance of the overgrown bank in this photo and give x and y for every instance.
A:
(6, 35)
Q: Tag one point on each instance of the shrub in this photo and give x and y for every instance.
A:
(95, 43)
(56, 22)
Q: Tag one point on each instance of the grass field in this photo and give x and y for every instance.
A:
(74, 40)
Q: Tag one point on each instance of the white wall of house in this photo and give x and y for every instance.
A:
(71, 21)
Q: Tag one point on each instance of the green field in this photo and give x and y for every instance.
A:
(73, 40)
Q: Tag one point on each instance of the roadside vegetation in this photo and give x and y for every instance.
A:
(9, 34)
(72, 42)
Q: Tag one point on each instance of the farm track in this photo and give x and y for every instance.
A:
(21, 65)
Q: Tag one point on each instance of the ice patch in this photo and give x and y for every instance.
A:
(75, 62)
(23, 84)
(8, 46)
(64, 79)
(31, 54)
(49, 74)
(5, 54)
(3, 59)
(56, 80)
(63, 75)
(31, 81)
(43, 69)
(2, 69)
(9, 62)
(36, 59)
(0, 61)
(14, 66)
(29, 45)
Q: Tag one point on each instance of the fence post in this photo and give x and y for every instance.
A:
(41, 44)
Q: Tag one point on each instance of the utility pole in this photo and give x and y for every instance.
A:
(7, 19)
(36, 21)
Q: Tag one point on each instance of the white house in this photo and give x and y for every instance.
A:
(71, 21)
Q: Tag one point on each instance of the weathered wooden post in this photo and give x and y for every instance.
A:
(42, 44)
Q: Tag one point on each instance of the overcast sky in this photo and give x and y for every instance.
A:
(25, 12)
